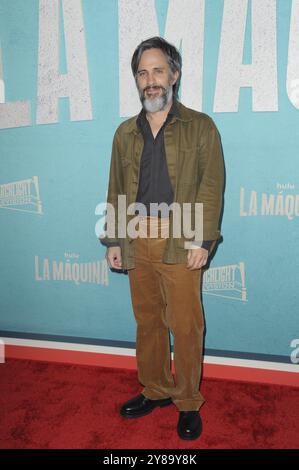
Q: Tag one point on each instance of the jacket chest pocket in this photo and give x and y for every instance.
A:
(125, 160)
(126, 169)
(188, 166)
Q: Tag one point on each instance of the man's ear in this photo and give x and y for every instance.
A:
(175, 76)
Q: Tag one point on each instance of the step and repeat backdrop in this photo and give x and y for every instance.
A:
(65, 86)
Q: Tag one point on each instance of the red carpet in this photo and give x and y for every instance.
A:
(48, 405)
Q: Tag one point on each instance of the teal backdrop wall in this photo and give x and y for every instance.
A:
(65, 86)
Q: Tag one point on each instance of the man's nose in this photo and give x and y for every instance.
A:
(151, 79)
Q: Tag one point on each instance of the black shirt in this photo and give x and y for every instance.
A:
(154, 182)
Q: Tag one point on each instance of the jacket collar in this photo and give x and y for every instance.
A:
(181, 112)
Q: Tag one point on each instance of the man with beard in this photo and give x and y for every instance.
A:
(167, 153)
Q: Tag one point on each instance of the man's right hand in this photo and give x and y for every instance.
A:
(113, 257)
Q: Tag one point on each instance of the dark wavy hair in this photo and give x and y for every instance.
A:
(172, 55)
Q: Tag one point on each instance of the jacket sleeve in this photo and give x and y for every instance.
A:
(115, 187)
(210, 190)
(204, 244)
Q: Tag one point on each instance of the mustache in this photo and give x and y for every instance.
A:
(153, 87)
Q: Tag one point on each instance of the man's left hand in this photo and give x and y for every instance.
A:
(197, 257)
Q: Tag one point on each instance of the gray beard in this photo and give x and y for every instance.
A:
(157, 104)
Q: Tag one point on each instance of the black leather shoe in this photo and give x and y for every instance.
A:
(141, 406)
(189, 425)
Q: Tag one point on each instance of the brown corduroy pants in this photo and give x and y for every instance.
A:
(167, 297)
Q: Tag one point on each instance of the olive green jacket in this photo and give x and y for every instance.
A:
(196, 170)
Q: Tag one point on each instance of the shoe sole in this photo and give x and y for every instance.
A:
(139, 415)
